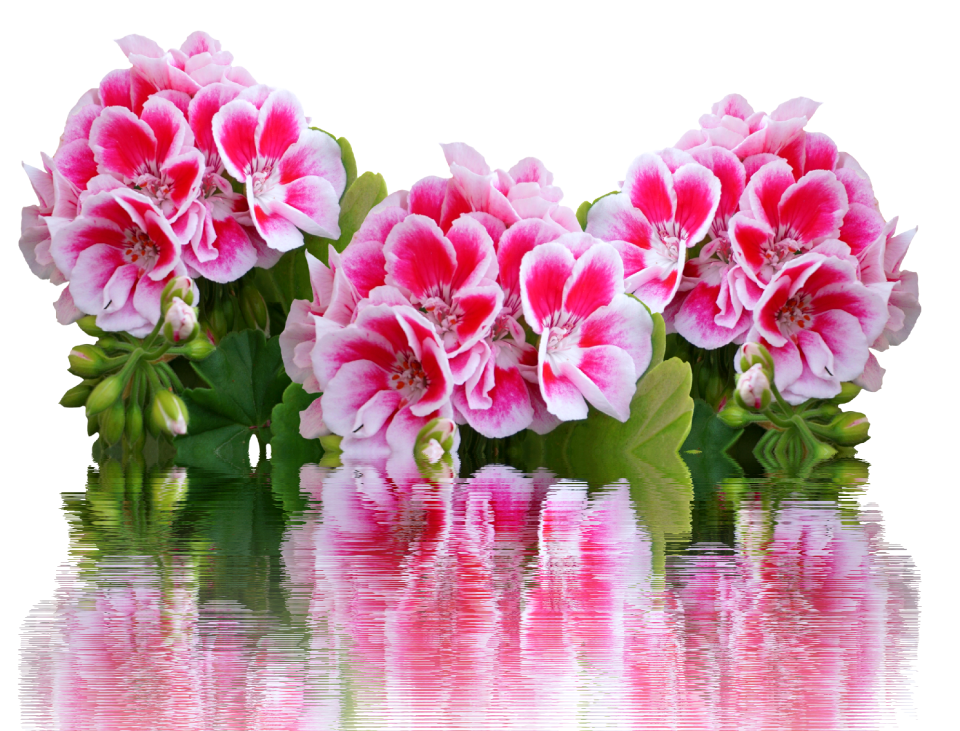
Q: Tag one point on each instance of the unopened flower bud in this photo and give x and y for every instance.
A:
(180, 322)
(93, 425)
(753, 389)
(435, 438)
(219, 324)
(253, 308)
(734, 416)
(169, 413)
(133, 426)
(108, 342)
(198, 348)
(848, 392)
(76, 396)
(112, 421)
(89, 325)
(751, 354)
(849, 429)
(104, 394)
(180, 287)
(88, 361)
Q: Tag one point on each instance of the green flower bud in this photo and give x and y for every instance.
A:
(76, 397)
(849, 429)
(198, 348)
(734, 416)
(181, 287)
(112, 421)
(89, 325)
(848, 392)
(435, 439)
(752, 353)
(169, 414)
(108, 342)
(714, 390)
(253, 308)
(104, 394)
(753, 389)
(88, 361)
(219, 324)
(180, 322)
(93, 424)
(133, 428)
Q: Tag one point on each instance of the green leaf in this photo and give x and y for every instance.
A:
(368, 190)
(286, 445)
(708, 434)
(285, 281)
(585, 207)
(247, 380)
(349, 162)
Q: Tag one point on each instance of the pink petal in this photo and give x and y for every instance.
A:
(419, 258)
(358, 399)
(861, 227)
(208, 101)
(349, 345)
(234, 128)
(312, 425)
(813, 209)
(543, 275)
(280, 124)
(821, 152)
(434, 363)
(75, 161)
(480, 306)
(649, 186)
(134, 45)
(761, 198)
(749, 238)
(275, 227)
(517, 241)
(314, 153)
(730, 172)
(122, 143)
(733, 105)
(657, 282)
(169, 126)
(67, 311)
(624, 323)
(406, 425)
(613, 218)
(474, 252)
(531, 170)
(236, 254)
(697, 197)
(596, 278)
(697, 318)
(427, 196)
(606, 377)
(312, 205)
(872, 377)
(510, 410)
(115, 89)
(798, 107)
(184, 174)
(459, 153)
(562, 397)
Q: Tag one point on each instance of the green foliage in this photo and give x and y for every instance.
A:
(246, 380)
(368, 190)
(286, 445)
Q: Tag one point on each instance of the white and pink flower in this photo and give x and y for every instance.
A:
(594, 339)
(667, 205)
(818, 320)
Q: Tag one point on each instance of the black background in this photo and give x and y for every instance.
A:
(586, 116)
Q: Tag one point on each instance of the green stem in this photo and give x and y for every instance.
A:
(780, 422)
(171, 375)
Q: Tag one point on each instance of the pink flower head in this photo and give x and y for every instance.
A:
(497, 198)
(383, 377)
(818, 320)
(594, 339)
(153, 154)
(449, 278)
(667, 205)
(781, 218)
(293, 175)
(118, 255)
(197, 63)
(57, 200)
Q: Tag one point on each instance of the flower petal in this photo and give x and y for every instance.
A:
(543, 276)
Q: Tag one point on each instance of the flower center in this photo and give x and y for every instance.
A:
(795, 315)
(409, 377)
(558, 338)
(139, 249)
(670, 246)
(153, 186)
(262, 182)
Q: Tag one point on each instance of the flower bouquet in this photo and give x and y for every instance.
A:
(241, 278)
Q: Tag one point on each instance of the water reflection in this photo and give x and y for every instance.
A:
(376, 595)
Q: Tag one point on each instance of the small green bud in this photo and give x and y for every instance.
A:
(112, 421)
(751, 354)
(253, 308)
(89, 325)
(848, 392)
(849, 429)
(714, 390)
(169, 413)
(219, 324)
(181, 287)
(104, 394)
(133, 428)
(88, 361)
(76, 397)
(108, 342)
(180, 322)
(734, 416)
(753, 389)
(198, 348)
(93, 424)
(435, 439)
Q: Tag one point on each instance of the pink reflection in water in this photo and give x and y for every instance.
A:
(503, 601)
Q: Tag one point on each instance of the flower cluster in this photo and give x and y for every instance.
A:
(178, 165)
(753, 229)
(475, 297)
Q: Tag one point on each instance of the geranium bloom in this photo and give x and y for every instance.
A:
(594, 339)
(384, 376)
(709, 310)
(506, 197)
(118, 255)
(293, 175)
(781, 218)
(818, 320)
(661, 212)
(57, 199)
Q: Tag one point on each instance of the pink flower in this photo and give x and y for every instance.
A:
(153, 154)
(118, 255)
(818, 320)
(383, 377)
(781, 218)
(293, 175)
(525, 190)
(667, 205)
(58, 200)
(594, 339)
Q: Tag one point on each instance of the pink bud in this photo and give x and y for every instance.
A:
(180, 322)
(753, 389)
